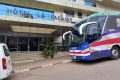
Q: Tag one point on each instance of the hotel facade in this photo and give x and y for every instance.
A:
(25, 25)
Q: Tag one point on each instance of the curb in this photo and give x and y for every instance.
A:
(42, 66)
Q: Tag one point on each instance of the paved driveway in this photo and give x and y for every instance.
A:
(98, 70)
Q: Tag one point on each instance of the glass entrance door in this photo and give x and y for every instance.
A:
(17, 43)
(2, 38)
(12, 43)
(33, 44)
(23, 44)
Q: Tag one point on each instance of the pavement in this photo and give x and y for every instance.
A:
(26, 61)
(104, 69)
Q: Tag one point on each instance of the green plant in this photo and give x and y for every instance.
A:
(49, 49)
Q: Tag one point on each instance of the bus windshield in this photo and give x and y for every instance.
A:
(90, 33)
(77, 39)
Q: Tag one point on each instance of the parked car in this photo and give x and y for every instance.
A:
(5, 61)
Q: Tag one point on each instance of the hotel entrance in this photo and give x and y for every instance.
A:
(24, 36)
(30, 37)
(27, 28)
(26, 43)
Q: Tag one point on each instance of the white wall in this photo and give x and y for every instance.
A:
(81, 2)
(108, 7)
(58, 39)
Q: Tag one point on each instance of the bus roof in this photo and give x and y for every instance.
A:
(104, 14)
(109, 13)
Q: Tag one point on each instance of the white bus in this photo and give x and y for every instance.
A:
(95, 37)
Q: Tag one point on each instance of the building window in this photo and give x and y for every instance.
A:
(79, 14)
(2, 39)
(72, 0)
(69, 13)
(90, 3)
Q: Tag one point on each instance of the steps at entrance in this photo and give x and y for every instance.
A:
(23, 56)
(20, 57)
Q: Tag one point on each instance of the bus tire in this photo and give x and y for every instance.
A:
(115, 53)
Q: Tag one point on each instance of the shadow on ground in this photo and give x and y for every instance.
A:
(9, 78)
(99, 61)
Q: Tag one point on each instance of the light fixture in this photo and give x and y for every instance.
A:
(27, 29)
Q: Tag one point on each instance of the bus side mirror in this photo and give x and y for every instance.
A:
(67, 36)
(68, 32)
(84, 25)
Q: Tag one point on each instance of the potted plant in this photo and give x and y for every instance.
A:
(49, 50)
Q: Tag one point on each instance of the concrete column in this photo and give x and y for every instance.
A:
(84, 14)
(28, 43)
(5, 38)
(76, 14)
(38, 44)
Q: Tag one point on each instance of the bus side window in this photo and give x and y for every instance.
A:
(92, 32)
(100, 20)
(113, 23)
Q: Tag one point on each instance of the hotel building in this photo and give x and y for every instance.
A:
(25, 25)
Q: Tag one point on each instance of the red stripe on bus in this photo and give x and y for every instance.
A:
(105, 42)
(75, 52)
(80, 52)
(86, 52)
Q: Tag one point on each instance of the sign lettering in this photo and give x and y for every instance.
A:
(9, 10)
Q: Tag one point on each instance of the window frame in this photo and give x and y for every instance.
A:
(93, 39)
(69, 13)
(6, 51)
(90, 3)
(80, 13)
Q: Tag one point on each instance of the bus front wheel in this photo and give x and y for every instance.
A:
(115, 53)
